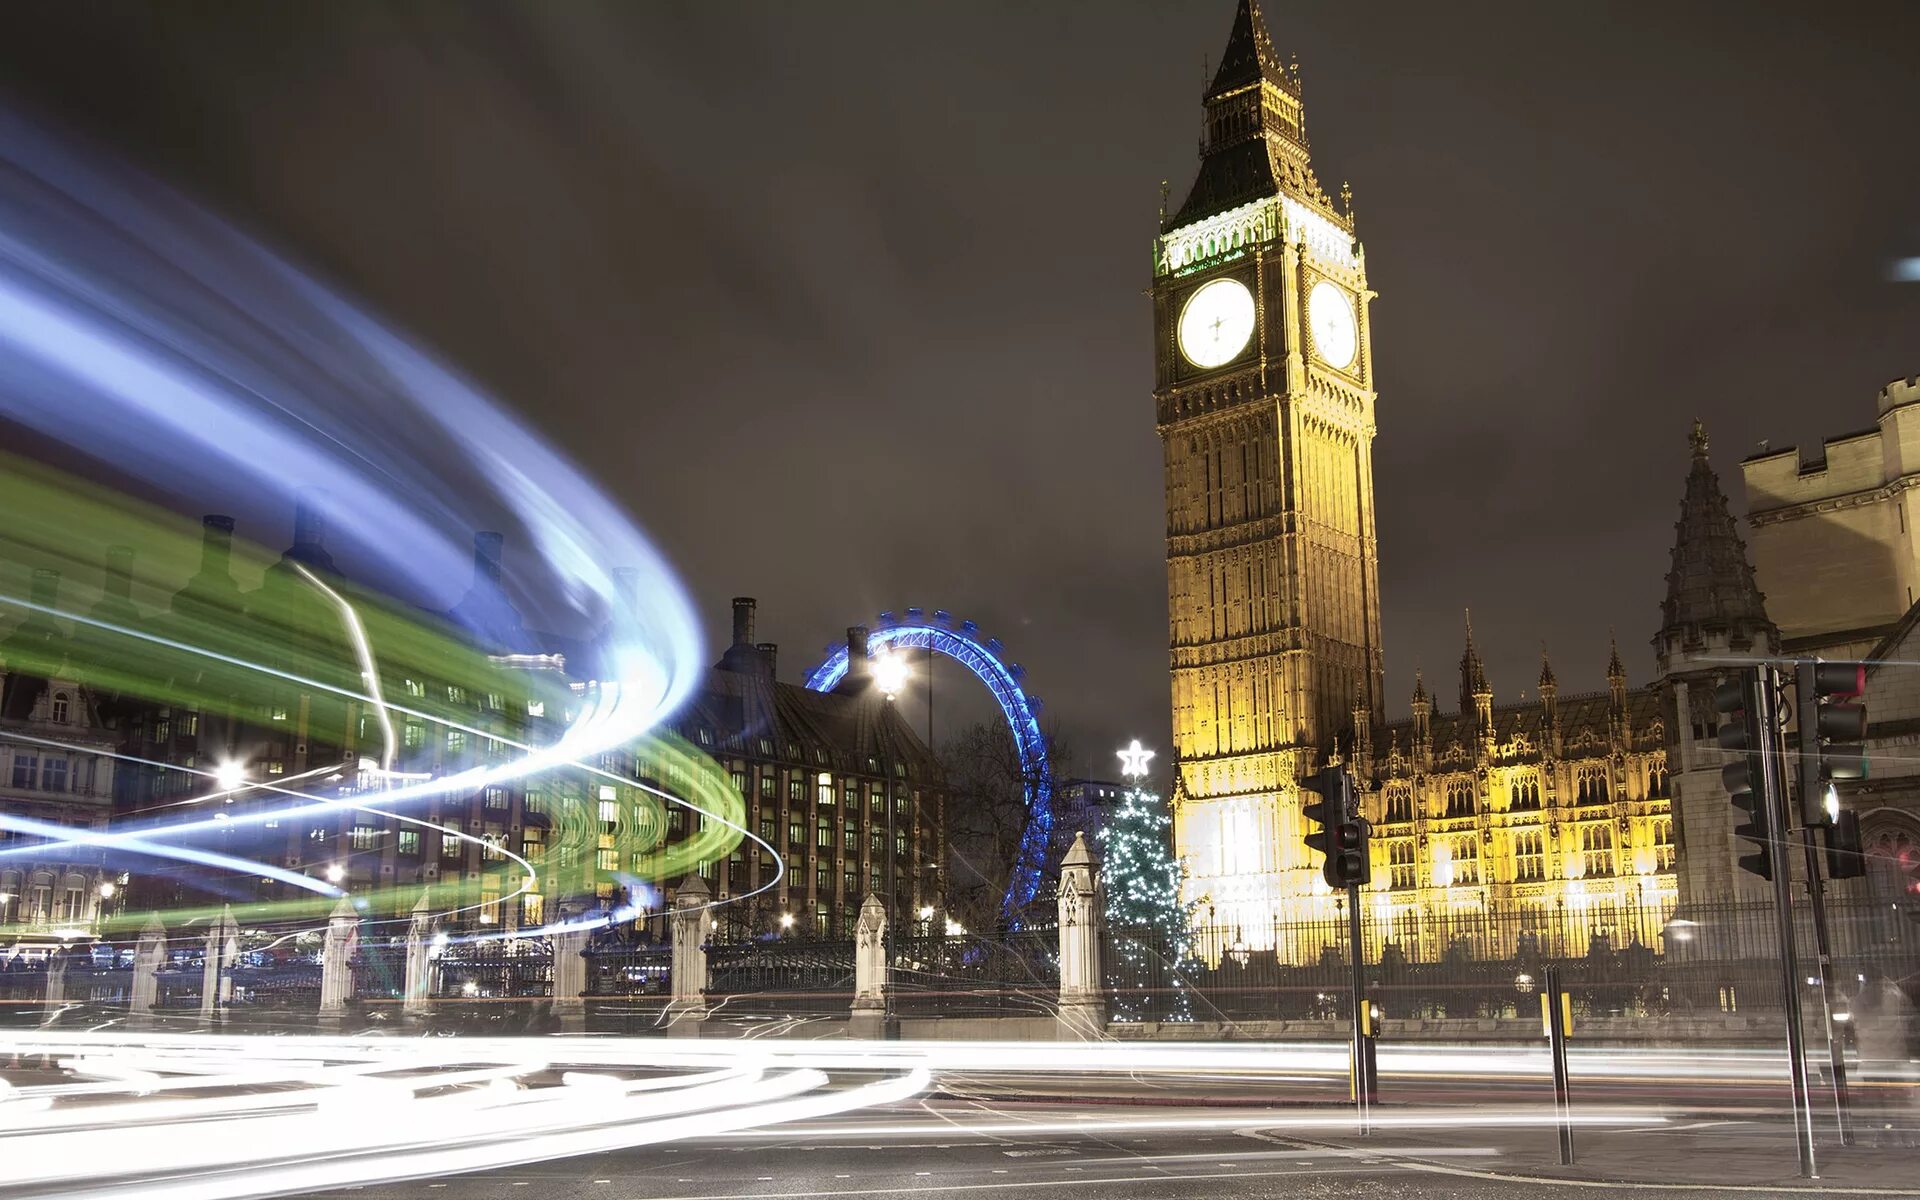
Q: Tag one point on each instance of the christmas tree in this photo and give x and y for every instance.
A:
(1150, 926)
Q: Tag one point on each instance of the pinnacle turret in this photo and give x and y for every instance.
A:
(1473, 673)
(1710, 584)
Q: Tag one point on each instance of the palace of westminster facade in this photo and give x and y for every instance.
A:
(1580, 816)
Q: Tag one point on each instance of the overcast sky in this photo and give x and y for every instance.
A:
(847, 301)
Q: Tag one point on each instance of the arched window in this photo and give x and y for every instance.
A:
(60, 707)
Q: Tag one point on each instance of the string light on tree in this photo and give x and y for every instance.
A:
(1151, 927)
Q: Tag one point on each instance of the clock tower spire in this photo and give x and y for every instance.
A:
(1265, 407)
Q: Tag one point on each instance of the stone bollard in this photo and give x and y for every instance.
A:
(689, 979)
(1083, 981)
(148, 953)
(336, 961)
(417, 992)
(870, 1018)
(570, 971)
(216, 974)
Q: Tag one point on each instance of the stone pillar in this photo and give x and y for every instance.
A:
(417, 993)
(223, 946)
(870, 967)
(336, 961)
(689, 978)
(1083, 980)
(570, 971)
(148, 953)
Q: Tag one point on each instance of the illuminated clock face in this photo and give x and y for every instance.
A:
(1216, 323)
(1330, 316)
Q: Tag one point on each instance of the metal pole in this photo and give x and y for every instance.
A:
(1823, 945)
(1774, 794)
(1359, 1008)
(1553, 1001)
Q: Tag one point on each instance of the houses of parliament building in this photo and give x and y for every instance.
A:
(1557, 812)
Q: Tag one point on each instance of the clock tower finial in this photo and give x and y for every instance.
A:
(1254, 140)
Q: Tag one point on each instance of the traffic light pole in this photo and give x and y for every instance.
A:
(1773, 793)
(1823, 945)
(1360, 1081)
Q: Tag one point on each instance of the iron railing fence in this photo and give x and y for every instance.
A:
(494, 970)
(1016, 973)
(783, 977)
(629, 987)
(1705, 959)
(380, 971)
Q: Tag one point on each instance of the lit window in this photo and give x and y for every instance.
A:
(496, 797)
(365, 837)
(408, 841)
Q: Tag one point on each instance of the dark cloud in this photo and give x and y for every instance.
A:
(846, 300)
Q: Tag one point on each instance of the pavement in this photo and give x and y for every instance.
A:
(962, 1149)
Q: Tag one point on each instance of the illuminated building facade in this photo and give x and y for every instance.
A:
(55, 768)
(1552, 814)
(1265, 406)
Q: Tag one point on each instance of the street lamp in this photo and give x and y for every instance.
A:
(890, 674)
(335, 872)
(786, 920)
(230, 775)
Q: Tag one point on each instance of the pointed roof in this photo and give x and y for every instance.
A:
(1419, 688)
(1473, 672)
(1547, 679)
(1710, 584)
(1249, 56)
(1616, 670)
(1254, 140)
(1079, 854)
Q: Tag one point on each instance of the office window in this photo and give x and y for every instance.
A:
(533, 907)
(825, 788)
(769, 784)
(495, 797)
(607, 860)
(408, 841)
(533, 844)
(456, 741)
(823, 832)
(61, 707)
(53, 776)
(796, 830)
(414, 687)
(450, 846)
(767, 829)
(26, 770)
(740, 781)
(536, 802)
(414, 735)
(364, 837)
(823, 881)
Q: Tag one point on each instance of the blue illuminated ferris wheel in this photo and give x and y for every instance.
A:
(963, 643)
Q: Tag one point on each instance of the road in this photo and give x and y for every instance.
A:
(126, 1113)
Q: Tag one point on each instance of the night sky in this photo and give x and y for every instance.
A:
(847, 301)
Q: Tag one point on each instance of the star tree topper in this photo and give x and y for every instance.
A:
(1133, 760)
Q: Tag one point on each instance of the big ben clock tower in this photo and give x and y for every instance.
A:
(1264, 392)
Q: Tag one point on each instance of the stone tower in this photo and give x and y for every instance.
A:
(1713, 617)
(1265, 407)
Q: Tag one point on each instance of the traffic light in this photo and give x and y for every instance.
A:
(1740, 727)
(1336, 828)
(1831, 730)
(1845, 859)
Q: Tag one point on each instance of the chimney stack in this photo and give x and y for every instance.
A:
(743, 620)
(216, 543)
(120, 572)
(859, 664)
(46, 587)
(486, 556)
(770, 655)
(626, 588)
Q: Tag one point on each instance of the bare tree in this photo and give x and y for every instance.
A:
(987, 816)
